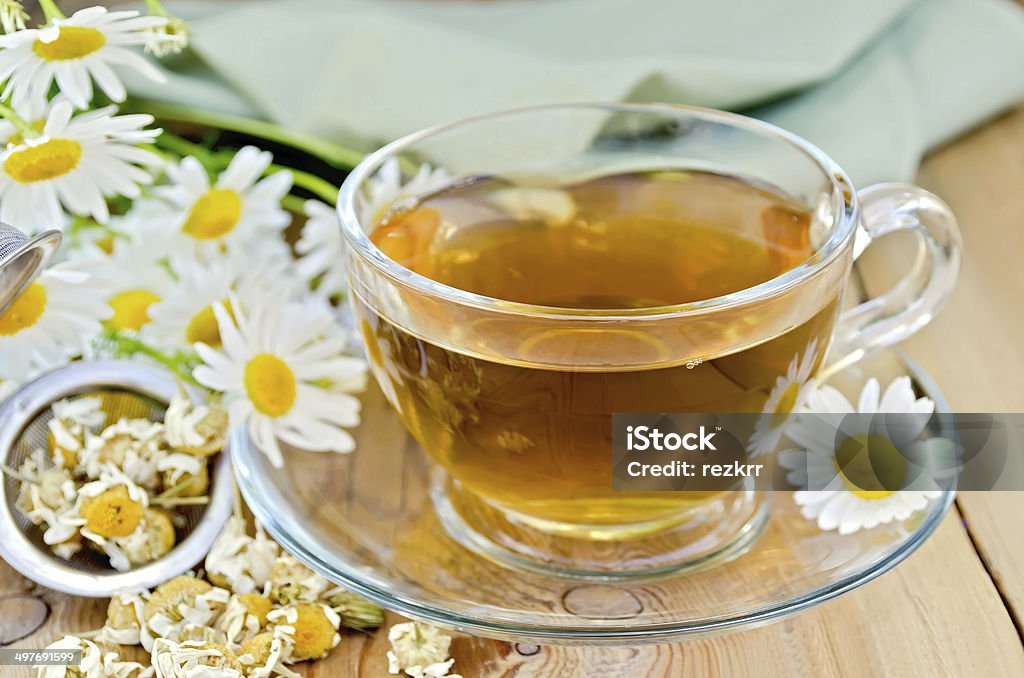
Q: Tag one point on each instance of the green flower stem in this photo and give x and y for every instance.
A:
(128, 346)
(180, 501)
(18, 122)
(50, 10)
(321, 188)
(215, 161)
(156, 8)
(334, 154)
(180, 146)
(175, 490)
(293, 204)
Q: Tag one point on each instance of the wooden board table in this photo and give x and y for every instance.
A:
(954, 608)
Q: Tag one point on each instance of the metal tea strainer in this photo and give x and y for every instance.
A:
(128, 389)
(21, 260)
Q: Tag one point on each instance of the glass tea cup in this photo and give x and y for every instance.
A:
(514, 397)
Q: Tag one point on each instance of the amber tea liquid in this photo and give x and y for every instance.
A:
(536, 441)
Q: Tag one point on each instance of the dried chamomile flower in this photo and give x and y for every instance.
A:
(185, 472)
(72, 419)
(67, 548)
(245, 616)
(194, 659)
(85, 412)
(438, 670)
(46, 488)
(111, 509)
(152, 540)
(108, 508)
(199, 430)
(94, 663)
(263, 655)
(124, 619)
(312, 629)
(48, 497)
(241, 562)
(291, 581)
(181, 590)
(356, 612)
(200, 632)
(132, 445)
(183, 601)
(417, 646)
(255, 651)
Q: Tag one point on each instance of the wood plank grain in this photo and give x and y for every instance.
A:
(973, 349)
(909, 622)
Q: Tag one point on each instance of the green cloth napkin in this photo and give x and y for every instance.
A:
(875, 83)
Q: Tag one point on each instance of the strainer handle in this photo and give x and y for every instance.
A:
(21, 260)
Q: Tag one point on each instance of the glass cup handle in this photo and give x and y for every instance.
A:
(931, 276)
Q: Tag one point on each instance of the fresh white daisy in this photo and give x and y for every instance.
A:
(852, 458)
(185, 317)
(138, 281)
(238, 209)
(386, 191)
(12, 16)
(171, 38)
(284, 375)
(51, 321)
(34, 114)
(321, 251)
(73, 165)
(74, 52)
(787, 396)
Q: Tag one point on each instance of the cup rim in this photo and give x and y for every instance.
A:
(844, 199)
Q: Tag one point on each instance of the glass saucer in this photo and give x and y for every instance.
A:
(367, 521)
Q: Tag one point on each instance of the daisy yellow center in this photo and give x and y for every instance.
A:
(785, 405)
(25, 312)
(106, 244)
(73, 42)
(51, 159)
(113, 513)
(214, 215)
(270, 385)
(203, 327)
(17, 139)
(870, 466)
(131, 309)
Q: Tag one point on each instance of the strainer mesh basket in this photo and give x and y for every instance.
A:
(117, 404)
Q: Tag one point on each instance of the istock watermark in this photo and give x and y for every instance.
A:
(886, 452)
